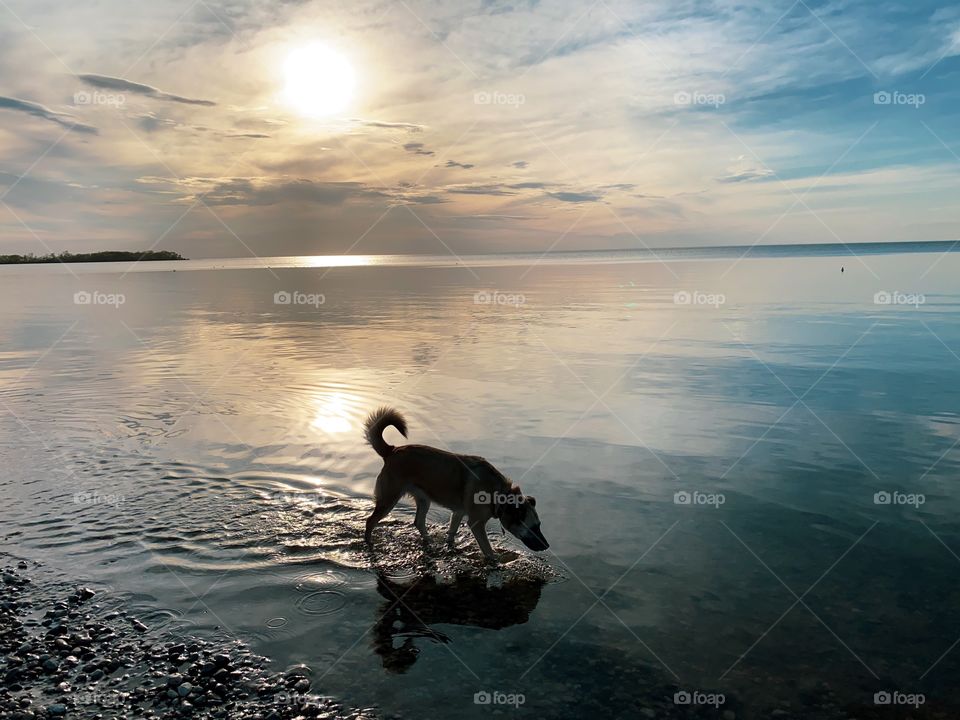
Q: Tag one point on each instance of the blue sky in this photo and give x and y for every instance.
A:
(481, 126)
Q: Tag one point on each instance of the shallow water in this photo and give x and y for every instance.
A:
(197, 448)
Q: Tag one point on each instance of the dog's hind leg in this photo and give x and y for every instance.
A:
(387, 494)
(455, 519)
(420, 521)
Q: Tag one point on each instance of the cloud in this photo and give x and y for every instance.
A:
(40, 111)
(455, 164)
(496, 190)
(519, 164)
(106, 82)
(417, 148)
(412, 127)
(150, 122)
(575, 197)
(744, 170)
(252, 191)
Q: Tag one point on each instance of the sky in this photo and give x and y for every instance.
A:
(475, 127)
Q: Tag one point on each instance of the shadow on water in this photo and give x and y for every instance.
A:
(412, 607)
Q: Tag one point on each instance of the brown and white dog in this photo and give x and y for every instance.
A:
(467, 485)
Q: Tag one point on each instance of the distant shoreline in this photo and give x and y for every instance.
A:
(103, 256)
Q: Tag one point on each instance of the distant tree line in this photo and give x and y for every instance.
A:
(104, 256)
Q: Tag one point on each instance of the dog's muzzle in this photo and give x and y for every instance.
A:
(535, 540)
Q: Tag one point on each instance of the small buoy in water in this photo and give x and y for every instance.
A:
(841, 268)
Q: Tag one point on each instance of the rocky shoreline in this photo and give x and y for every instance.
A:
(64, 655)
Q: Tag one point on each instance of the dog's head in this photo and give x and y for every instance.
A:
(519, 518)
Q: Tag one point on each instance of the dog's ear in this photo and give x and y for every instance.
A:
(532, 500)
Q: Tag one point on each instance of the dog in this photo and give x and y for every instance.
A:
(467, 485)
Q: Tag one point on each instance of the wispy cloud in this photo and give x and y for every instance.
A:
(41, 111)
(745, 170)
(105, 82)
(576, 197)
(417, 148)
(412, 127)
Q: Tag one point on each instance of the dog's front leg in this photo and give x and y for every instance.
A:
(455, 519)
(479, 530)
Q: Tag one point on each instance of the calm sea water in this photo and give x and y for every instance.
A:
(746, 470)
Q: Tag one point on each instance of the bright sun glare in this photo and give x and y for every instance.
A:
(319, 80)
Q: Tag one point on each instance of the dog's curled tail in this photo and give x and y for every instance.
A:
(377, 422)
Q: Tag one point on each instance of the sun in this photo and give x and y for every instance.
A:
(319, 81)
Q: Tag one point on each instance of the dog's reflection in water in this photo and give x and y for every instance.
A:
(412, 606)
